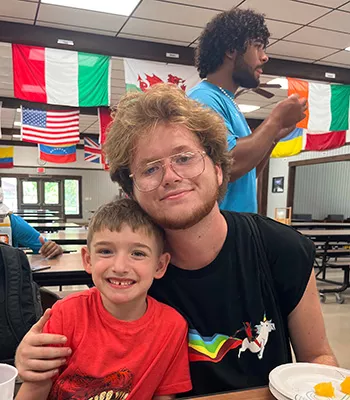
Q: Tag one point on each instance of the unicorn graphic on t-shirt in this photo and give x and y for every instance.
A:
(257, 344)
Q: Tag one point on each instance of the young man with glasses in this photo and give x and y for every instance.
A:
(231, 53)
(245, 284)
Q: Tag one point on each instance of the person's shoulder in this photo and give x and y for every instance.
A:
(169, 315)
(205, 93)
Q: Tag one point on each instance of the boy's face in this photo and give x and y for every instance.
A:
(123, 265)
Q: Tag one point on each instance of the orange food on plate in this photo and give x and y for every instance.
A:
(324, 389)
(345, 385)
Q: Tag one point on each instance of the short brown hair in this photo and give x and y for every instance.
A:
(115, 214)
(139, 112)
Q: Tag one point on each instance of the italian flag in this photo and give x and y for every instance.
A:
(328, 105)
(61, 77)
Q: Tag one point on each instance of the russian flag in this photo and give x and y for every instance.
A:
(58, 155)
(6, 157)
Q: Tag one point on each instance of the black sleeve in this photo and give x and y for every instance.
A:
(291, 257)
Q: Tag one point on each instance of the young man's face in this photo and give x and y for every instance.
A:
(177, 203)
(123, 265)
(248, 66)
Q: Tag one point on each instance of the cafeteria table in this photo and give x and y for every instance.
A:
(250, 394)
(321, 225)
(53, 226)
(68, 236)
(66, 269)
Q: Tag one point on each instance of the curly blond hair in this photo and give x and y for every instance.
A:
(139, 112)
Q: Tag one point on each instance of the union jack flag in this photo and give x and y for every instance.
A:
(93, 151)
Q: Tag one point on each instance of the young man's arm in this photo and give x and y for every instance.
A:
(34, 390)
(251, 150)
(166, 397)
(307, 330)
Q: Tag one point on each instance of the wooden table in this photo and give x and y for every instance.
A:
(71, 236)
(320, 225)
(252, 394)
(327, 234)
(67, 269)
(42, 218)
(36, 212)
(53, 226)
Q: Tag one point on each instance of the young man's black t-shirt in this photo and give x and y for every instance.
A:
(237, 317)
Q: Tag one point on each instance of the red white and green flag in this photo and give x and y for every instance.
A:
(61, 77)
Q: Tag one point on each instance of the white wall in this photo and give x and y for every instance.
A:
(322, 189)
(97, 187)
(279, 167)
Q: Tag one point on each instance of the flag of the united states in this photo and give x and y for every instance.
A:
(50, 127)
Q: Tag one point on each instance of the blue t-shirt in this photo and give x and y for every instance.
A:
(24, 235)
(241, 195)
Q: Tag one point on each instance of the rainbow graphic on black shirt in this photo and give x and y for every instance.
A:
(212, 349)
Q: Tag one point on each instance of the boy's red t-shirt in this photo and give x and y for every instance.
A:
(138, 359)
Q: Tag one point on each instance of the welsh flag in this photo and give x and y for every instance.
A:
(61, 77)
(139, 74)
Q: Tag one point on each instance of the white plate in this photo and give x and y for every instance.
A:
(275, 393)
(297, 381)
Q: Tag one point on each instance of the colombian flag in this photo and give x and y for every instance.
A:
(6, 157)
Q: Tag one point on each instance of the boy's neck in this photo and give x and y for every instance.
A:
(196, 247)
(130, 311)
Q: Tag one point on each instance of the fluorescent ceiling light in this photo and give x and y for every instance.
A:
(119, 7)
(347, 49)
(279, 81)
(247, 108)
(17, 123)
(17, 136)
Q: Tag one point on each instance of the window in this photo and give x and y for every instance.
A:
(51, 193)
(71, 197)
(30, 192)
(9, 186)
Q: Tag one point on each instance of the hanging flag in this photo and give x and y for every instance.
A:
(325, 141)
(6, 157)
(290, 145)
(104, 119)
(139, 74)
(0, 118)
(92, 149)
(61, 77)
(328, 105)
(50, 127)
(58, 155)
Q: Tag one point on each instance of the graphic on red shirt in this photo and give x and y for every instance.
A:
(116, 385)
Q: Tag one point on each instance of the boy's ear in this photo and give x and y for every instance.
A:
(163, 262)
(86, 258)
(231, 55)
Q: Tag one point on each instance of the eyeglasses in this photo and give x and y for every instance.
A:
(188, 164)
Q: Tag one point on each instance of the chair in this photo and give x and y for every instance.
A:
(335, 218)
(48, 298)
(302, 217)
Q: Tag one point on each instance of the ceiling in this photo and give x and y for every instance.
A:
(312, 31)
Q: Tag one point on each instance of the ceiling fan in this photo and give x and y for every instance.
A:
(259, 90)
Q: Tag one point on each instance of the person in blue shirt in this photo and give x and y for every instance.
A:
(231, 54)
(24, 235)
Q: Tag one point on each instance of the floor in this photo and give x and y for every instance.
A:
(337, 321)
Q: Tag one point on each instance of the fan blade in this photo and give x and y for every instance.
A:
(263, 93)
(273, 86)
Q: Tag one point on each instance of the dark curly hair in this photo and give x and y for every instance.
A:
(228, 31)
